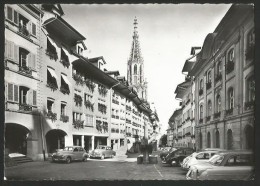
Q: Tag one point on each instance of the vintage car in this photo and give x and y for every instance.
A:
(70, 153)
(166, 151)
(229, 165)
(176, 157)
(102, 152)
(185, 160)
(203, 156)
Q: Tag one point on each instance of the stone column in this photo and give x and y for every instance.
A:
(92, 142)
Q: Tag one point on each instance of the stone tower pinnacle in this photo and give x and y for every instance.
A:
(135, 66)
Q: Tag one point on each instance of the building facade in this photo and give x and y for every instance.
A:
(55, 96)
(225, 84)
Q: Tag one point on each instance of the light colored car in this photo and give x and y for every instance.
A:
(70, 153)
(185, 160)
(199, 157)
(229, 165)
(102, 152)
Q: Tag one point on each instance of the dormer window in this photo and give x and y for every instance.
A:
(80, 50)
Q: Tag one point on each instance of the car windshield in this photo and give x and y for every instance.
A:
(101, 147)
(68, 149)
(216, 159)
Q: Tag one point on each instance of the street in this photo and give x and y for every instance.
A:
(94, 169)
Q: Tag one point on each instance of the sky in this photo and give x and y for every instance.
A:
(166, 34)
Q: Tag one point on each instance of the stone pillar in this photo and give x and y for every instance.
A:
(92, 142)
(82, 141)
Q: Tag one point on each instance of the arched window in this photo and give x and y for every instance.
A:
(231, 55)
(209, 108)
(201, 111)
(209, 76)
(229, 139)
(230, 98)
(208, 140)
(217, 139)
(218, 103)
(201, 84)
(251, 89)
(135, 69)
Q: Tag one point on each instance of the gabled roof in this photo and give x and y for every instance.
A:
(95, 59)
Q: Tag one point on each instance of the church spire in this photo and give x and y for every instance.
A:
(135, 68)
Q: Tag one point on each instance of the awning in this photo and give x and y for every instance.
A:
(52, 42)
(52, 72)
(65, 79)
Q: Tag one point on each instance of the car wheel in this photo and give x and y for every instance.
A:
(84, 158)
(68, 160)
(112, 156)
(102, 157)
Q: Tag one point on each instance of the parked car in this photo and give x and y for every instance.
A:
(70, 153)
(203, 156)
(166, 151)
(177, 156)
(229, 165)
(102, 152)
(185, 160)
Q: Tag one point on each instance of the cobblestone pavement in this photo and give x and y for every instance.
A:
(94, 169)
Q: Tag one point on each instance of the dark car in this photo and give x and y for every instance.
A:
(177, 156)
(166, 151)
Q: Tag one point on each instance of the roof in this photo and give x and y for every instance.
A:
(95, 59)
(115, 72)
(175, 113)
(180, 89)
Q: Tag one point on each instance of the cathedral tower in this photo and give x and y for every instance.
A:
(135, 67)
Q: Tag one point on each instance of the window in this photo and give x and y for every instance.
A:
(201, 111)
(135, 69)
(51, 78)
(33, 29)
(219, 68)
(251, 89)
(23, 58)
(63, 109)
(76, 116)
(50, 105)
(80, 50)
(209, 76)
(201, 84)
(209, 108)
(218, 103)
(230, 98)
(231, 55)
(12, 15)
(23, 93)
(64, 87)
(89, 120)
(240, 160)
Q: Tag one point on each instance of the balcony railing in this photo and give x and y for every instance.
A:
(25, 107)
(249, 105)
(229, 111)
(217, 115)
(25, 70)
(23, 30)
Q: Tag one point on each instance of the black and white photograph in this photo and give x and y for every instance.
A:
(129, 92)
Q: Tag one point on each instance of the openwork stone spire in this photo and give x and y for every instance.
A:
(135, 66)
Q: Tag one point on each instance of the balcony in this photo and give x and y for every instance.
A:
(25, 70)
(23, 30)
(218, 77)
(64, 118)
(208, 85)
(249, 105)
(90, 84)
(229, 111)
(89, 105)
(51, 115)
(200, 92)
(230, 67)
(78, 124)
(217, 115)
(25, 107)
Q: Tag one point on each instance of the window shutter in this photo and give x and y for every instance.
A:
(10, 92)
(16, 53)
(29, 97)
(16, 93)
(9, 13)
(33, 61)
(16, 17)
(33, 29)
(29, 27)
(29, 60)
(6, 48)
(34, 102)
